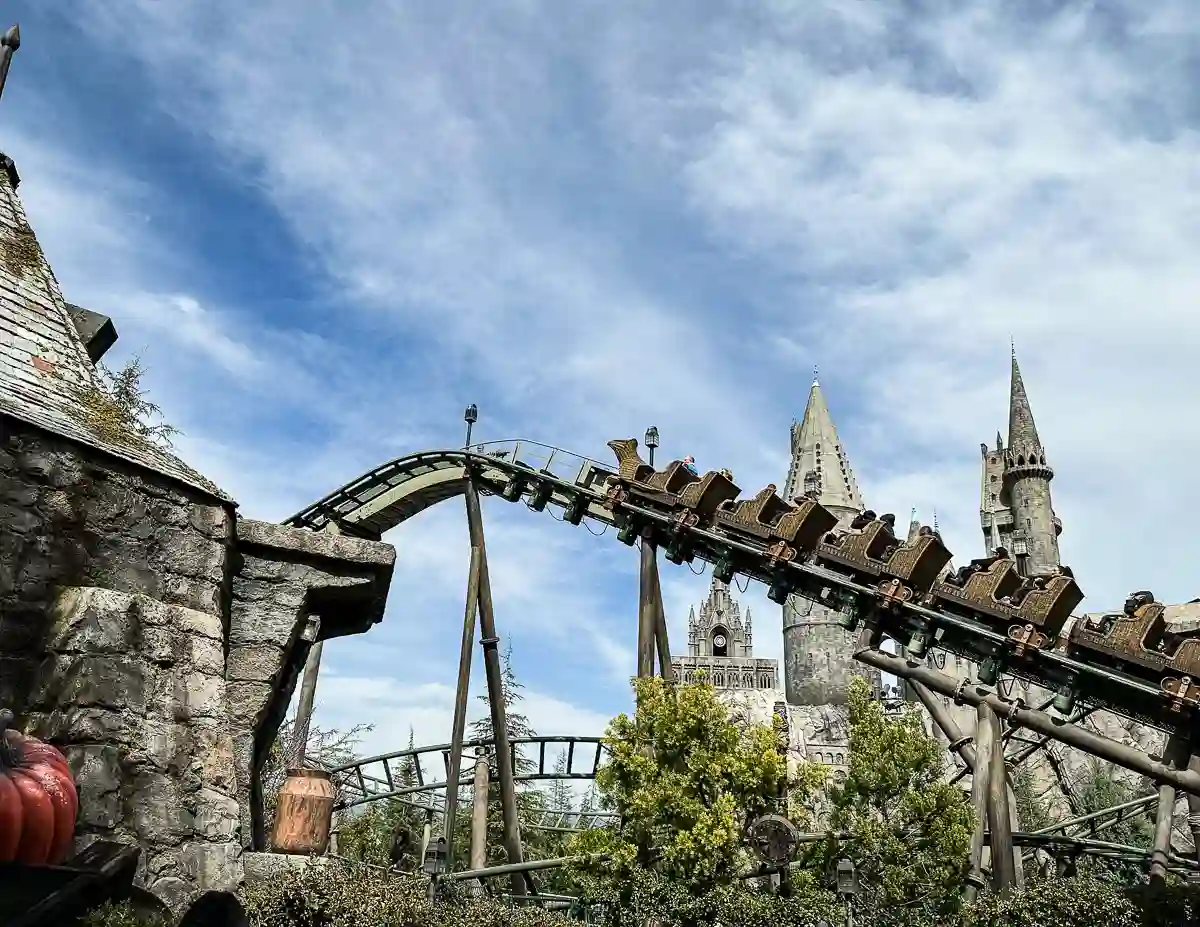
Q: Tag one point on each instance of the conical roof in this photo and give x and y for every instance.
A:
(1022, 432)
(47, 377)
(818, 459)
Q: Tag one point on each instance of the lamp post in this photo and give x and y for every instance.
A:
(470, 416)
(652, 441)
(847, 887)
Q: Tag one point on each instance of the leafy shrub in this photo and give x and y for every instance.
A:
(347, 895)
(122, 914)
(1056, 903)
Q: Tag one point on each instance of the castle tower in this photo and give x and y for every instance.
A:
(818, 659)
(721, 645)
(1015, 507)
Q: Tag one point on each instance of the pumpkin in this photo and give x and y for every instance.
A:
(38, 800)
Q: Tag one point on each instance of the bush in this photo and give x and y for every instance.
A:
(122, 914)
(346, 895)
(1056, 903)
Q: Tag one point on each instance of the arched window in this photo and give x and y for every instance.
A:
(718, 679)
(748, 681)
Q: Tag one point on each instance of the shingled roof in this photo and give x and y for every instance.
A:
(47, 377)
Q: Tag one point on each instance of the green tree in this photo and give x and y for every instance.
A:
(367, 832)
(116, 408)
(1098, 787)
(685, 781)
(530, 801)
(909, 830)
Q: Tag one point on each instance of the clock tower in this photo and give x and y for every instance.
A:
(721, 646)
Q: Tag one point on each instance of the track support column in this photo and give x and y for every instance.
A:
(495, 686)
(461, 694)
(979, 800)
(1175, 752)
(647, 609)
(999, 814)
(964, 747)
(660, 626)
(479, 808)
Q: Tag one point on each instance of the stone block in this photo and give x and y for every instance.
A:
(194, 555)
(248, 700)
(98, 775)
(89, 681)
(210, 520)
(253, 624)
(207, 656)
(157, 810)
(217, 815)
(214, 756)
(81, 725)
(254, 664)
(263, 867)
(173, 891)
(94, 620)
(212, 866)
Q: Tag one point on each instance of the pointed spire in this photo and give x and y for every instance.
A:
(819, 460)
(1022, 432)
(914, 526)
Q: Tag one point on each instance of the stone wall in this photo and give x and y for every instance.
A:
(155, 638)
(818, 655)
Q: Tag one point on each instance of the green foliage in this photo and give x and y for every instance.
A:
(122, 914)
(116, 408)
(910, 831)
(346, 895)
(1098, 788)
(685, 781)
(1032, 810)
(366, 833)
(1056, 903)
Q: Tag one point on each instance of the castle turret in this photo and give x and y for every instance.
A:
(1015, 507)
(818, 654)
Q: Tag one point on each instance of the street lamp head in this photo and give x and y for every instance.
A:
(652, 436)
(847, 878)
(471, 415)
(435, 857)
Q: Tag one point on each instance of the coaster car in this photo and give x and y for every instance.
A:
(871, 552)
(1140, 642)
(676, 490)
(1030, 610)
(769, 519)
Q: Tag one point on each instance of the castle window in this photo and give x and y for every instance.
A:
(993, 479)
(993, 497)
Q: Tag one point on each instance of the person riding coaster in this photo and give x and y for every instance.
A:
(689, 464)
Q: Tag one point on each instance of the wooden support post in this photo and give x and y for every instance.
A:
(999, 815)
(964, 747)
(1193, 806)
(461, 694)
(308, 695)
(495, 685)
(479, 810)
(660, 627)
(1176, 752)
(647, 610)
(979, 800)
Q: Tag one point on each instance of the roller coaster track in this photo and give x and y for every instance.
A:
(388, 495)
(380, 777)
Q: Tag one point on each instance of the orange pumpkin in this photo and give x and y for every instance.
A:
(38, 800)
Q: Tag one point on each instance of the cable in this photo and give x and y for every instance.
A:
(699, 572)
(599, 533)
(741, 588)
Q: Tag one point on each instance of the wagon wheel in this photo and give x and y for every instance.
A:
(774, 838)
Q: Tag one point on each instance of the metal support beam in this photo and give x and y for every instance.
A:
(9, 43)
(495, 685)
(660, 627)
(999, 813)
(461, 694)
(479, 809)
(647, 610)
(979, 802)
(1056, 728)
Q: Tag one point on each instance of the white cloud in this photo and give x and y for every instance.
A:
(627, 217)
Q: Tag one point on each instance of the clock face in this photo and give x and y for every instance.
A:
(719, 640)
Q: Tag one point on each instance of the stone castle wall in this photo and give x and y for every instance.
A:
(155, 639)
(818, 655)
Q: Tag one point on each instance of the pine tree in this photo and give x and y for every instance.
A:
(368, 833)
(530, 801)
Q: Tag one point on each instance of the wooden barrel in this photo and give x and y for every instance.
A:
(303, 813)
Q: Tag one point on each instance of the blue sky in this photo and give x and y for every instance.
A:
(328, 227)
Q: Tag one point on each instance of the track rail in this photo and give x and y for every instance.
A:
(379, 777)
(545, 475)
